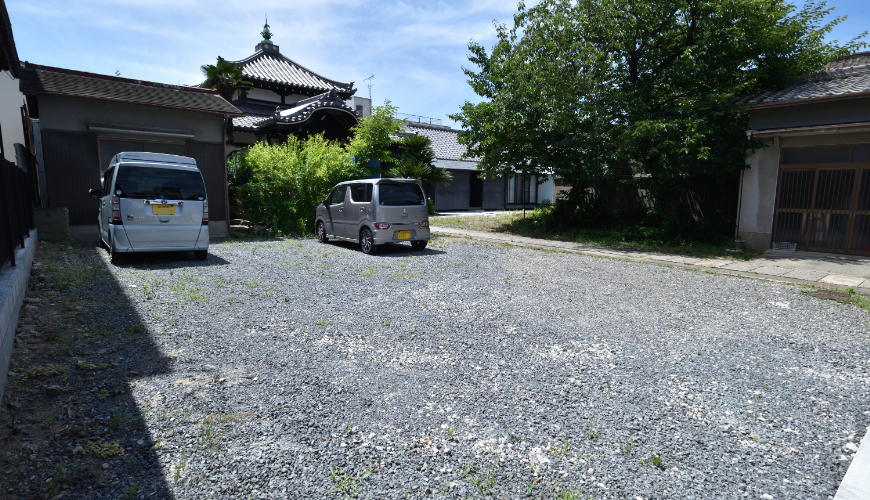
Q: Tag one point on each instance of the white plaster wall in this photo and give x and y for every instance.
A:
(759, 190)
(11, 101)
(545, 191)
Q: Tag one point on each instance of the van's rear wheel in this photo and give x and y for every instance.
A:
(367, 241)
(200, 254)
(321, 232)
(418, 245)
(115, 257)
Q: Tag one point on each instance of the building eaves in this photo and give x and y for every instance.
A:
(304, 110)
(37, 79)
(8, 53)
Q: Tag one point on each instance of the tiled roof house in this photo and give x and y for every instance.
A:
(809, 187)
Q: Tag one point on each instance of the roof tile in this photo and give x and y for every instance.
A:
(48, 80)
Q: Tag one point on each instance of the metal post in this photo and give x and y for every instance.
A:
(6, 211)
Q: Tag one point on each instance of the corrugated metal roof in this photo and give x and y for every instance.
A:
(849, 75)
(273, 67)
(59, 81)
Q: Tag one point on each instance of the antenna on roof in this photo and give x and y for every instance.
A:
(369, 79)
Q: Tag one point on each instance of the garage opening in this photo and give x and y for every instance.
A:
(823, 199)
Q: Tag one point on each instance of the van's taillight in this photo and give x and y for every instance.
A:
(382, 225)
(116, 210)
(204, 212)
(424, 223)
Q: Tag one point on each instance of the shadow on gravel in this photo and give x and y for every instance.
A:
(390, 249)
(185, 258)
(71, 425)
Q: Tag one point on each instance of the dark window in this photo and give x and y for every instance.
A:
(337, 195)
(107, 181)
(838, 154)
(400, 194)
(157, 182)
(361, 193)
(861, 153)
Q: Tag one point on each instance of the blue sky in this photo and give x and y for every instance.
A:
(414, 49)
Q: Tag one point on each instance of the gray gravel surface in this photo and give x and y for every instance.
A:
(303, 370)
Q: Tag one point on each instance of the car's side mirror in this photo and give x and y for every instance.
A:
(96, 193)
(326, 202)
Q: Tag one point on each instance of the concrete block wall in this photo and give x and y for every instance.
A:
(13, 285)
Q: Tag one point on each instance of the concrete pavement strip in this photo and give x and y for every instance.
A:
(762, 269)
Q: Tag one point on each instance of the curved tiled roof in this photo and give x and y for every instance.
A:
(304, 110)
(255, 112)
(270, 66)
(849, 75)
(36, 79)
(445, 141)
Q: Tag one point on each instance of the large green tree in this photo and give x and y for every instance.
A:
(593, 90)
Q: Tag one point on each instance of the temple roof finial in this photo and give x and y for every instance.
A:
(266, 34)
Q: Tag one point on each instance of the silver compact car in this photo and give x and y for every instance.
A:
(152, 202)
(372, 212)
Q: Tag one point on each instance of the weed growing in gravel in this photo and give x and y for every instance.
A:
(485, 481)
(323, 322)
(216, 418)
(563, 493)
(344, 483)
(104, 394)
(592, 432)
(132, 489)
(627, 446)
(450, 433)
(180, 466)
(656, 461)
(98, 449)
(57, 479)
(117, 421)
(209, 438)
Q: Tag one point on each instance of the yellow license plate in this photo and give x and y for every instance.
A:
(403, 235)
(163, 209)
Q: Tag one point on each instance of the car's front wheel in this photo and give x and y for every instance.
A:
(367, 241)
(200, 254)
(418, 245)
(321, 231)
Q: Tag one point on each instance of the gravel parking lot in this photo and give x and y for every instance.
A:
(303, 370)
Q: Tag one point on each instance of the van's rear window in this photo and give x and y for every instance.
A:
(156, 182)
(400, 194)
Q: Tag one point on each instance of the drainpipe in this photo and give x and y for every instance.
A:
(739, 203)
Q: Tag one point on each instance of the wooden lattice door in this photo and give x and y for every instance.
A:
(824, 209)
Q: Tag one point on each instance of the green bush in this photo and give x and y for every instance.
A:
(431, 204)
(289, 180)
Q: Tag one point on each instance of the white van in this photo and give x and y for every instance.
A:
(152, 202)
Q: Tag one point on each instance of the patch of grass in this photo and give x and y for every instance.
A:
(57, 478)
(137, 328)
(117, 421)
(40, 371)
(592, 432)
(216, 418)
(485, 481)
(323, 322)
(90, 366)
(627, 446)
(99, 449)
(209, 437)
(635, 237)
(656, 461)
(345, 484)
(561, 492)
(104, 393)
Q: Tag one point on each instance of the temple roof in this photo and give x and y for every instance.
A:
(269, 66)
(302, 111)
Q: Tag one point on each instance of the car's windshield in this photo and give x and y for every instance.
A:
(159, 183)
(400, 194)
